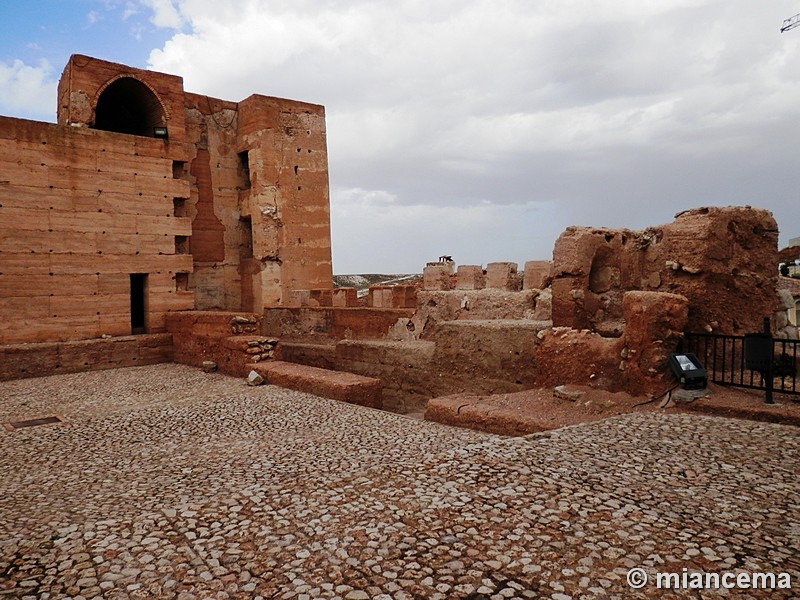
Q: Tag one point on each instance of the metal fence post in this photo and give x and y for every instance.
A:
(769, 383)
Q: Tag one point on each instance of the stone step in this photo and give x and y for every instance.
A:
(338, 385)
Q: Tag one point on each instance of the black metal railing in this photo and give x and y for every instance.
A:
(723, 357)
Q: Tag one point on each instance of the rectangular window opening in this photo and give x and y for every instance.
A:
(178, 169)
(181, 282)
(246, 237)
(179, 207)
(181, 244)
(244, 170)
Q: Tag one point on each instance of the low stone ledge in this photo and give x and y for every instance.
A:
(21, 361)
(338, 385)
(473, 412)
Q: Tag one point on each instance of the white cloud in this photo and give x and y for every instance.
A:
(28, 91)
(165, 13)
(619, 112)
(131, 9)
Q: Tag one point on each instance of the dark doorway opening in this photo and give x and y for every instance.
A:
(138, 303)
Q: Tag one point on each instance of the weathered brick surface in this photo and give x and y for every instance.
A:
(503, 275)
(19, 361)
(304, 323)
(537, 275)
(392, 296)
(221, 337)
(71, 232)
(437, 276)
(470, 277)
(723, 260)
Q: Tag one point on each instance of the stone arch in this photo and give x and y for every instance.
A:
(125, 104)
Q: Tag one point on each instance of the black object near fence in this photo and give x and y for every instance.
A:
(688, 371)
(750, 361)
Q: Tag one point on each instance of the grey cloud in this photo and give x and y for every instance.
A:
(609, 113)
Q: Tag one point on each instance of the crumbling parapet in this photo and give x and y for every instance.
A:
(392, 296)
(438, 276)
(470, 277)
(721, 259)
(537, 275)
(624, 300)
(345, 297)
(634, 362)
(503, 276)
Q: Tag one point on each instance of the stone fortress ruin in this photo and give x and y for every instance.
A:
(152, 224)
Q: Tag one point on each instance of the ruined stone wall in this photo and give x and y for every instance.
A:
(723, 260)
(287, 202)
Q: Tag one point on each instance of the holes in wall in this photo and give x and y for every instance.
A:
(181, 282)
(245, 237)
(181, 244)
(179, 207)
(178, 169)
(244, 170)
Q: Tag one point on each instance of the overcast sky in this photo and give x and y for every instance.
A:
(475, 128)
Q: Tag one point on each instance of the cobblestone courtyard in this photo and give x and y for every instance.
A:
(166, 482)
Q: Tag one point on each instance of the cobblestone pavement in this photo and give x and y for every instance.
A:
(166, 482)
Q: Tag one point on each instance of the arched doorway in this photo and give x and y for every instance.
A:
(129, 106)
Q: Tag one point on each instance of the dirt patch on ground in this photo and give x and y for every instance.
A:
(744, 404)
(536, 410)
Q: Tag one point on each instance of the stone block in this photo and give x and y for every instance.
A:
(345, 387)
(380, 296)
(345, 297)
(437, 276)
(503, 276)
(254, 378)
(537, 274)
(470, 277)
